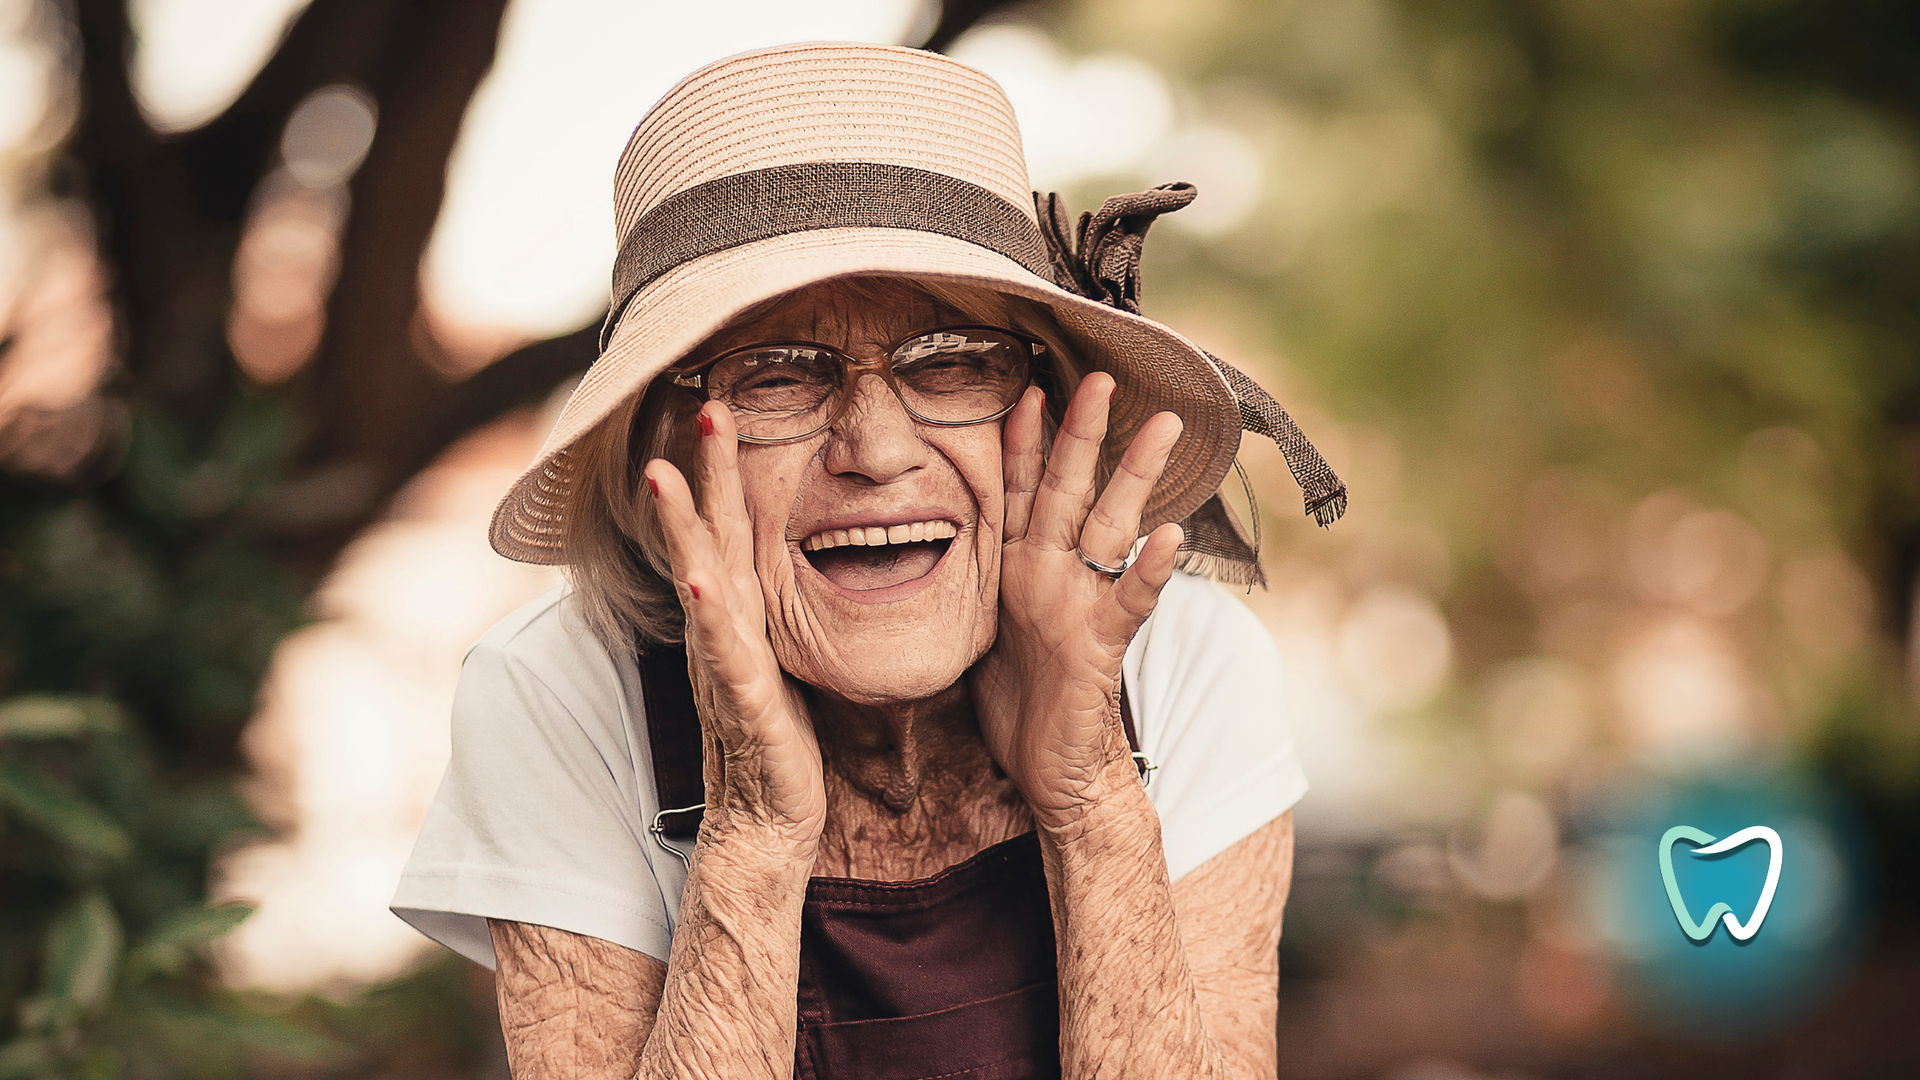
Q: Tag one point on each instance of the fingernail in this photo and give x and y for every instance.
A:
(694, 589)
(706, 424)
(653, 486)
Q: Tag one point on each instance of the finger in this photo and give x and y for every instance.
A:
(1121, 611)
(714, 638)
(713, 609)
(722, 502)
(1066, 491)
(1023, 461)
(689, 542)
(1114, 523)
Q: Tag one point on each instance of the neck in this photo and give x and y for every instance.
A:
(898, 753)
(911, 789)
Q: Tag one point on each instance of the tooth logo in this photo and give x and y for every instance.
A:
(1703, 929)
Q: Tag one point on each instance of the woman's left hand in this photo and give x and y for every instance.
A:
(1048, 692)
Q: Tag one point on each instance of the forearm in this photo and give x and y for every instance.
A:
(1129, 1004)
(727, 1010)
(574, 1007)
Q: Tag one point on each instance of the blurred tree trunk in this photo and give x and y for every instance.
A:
(170, 213)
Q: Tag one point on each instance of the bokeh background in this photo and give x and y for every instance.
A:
(1608, 310)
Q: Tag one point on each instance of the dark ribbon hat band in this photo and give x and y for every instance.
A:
(1098, 257)
(761, 204)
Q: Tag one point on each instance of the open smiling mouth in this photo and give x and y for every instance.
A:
(876, 557)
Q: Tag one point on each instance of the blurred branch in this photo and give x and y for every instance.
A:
(372, 384)
(332, 41)
(520, 378)
(1864, 47)
(170, 210)
(113, 129)
(148, 231)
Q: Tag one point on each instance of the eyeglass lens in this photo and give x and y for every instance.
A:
(944, 376)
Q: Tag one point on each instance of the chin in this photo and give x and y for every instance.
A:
(892, 659)
(906, 636)
(880, 686)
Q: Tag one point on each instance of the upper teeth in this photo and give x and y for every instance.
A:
(876, 536)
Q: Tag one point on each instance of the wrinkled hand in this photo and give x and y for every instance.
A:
(1048, 692)
(763, 762)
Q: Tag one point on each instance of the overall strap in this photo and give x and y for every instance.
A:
(673, 734)
(1140, 761)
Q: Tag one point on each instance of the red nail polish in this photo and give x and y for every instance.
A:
(706, 424)
(694, 589)
(653, 487)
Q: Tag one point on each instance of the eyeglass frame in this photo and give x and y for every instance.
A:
(692, 379)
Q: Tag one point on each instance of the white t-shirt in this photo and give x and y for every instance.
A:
(542, 816)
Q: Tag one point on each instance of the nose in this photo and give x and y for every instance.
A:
(874, 437)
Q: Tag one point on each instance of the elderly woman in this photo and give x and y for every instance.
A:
(869, 740)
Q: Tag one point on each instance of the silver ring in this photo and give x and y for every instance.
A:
(1103, 568)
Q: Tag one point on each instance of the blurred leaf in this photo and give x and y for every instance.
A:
(25, 1058)
(102, 1064)
(197, 818)
(62, 813)
(199, 925)
(83, 951)
(274, 1035)
(169, 946)
(44, 1013)
(259, 1031)
(52, 716)
(109, 582)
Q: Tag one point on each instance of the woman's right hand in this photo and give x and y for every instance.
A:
(763, 772)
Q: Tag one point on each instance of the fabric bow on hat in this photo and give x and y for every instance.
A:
(1100, 259)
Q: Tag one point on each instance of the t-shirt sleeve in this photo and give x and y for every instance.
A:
(1210, 706)
(537, 819)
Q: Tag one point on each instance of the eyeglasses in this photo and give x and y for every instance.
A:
(950, 376)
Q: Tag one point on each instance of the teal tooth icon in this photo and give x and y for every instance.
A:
(1720, 911)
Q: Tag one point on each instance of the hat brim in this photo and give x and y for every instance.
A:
(1154, 368)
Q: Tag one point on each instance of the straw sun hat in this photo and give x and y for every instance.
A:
(783, 167)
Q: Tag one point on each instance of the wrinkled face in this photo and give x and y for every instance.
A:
(902, 616)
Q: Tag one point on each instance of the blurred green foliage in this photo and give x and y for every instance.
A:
(136, 620)
(138, 612)
(141, 600)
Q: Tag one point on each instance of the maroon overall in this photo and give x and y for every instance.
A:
(946, 978)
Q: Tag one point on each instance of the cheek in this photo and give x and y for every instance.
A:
(769, 484)
(976, 455)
